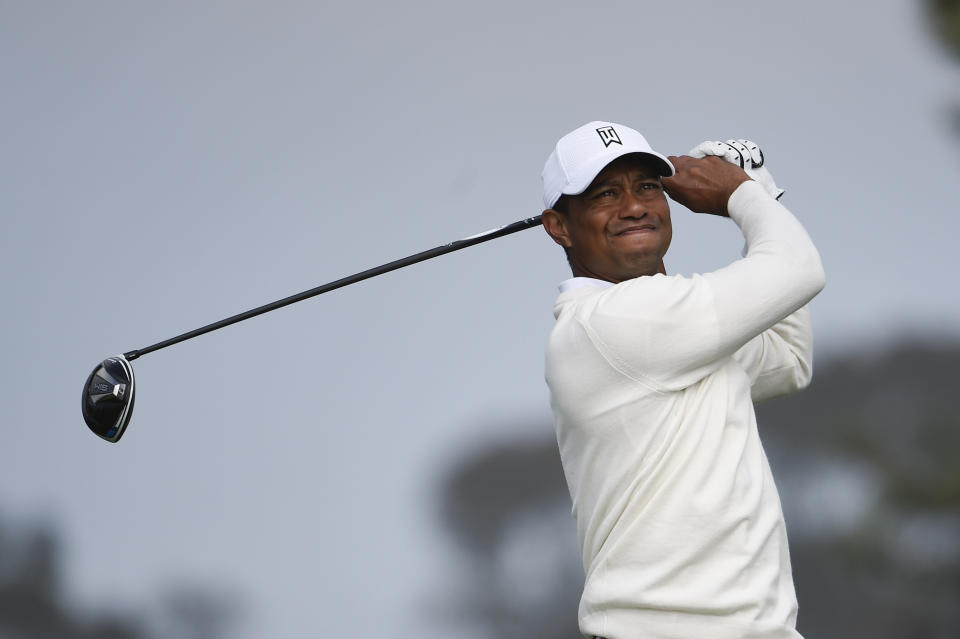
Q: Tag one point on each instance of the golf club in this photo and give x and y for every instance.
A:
(108, 393)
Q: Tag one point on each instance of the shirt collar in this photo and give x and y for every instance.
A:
(582, 282)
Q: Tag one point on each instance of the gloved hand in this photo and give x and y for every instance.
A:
(744, 153)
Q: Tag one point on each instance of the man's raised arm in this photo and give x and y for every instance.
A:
(781, 269)
(697, 322)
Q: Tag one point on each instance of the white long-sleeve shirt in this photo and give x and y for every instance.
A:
(679, 522)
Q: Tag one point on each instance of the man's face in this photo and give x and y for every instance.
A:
(619, 228)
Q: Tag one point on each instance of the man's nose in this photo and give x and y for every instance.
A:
(633, 206)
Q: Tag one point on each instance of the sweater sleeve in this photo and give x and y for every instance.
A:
(671, 331)
(779, 360)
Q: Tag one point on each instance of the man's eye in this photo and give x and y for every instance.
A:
(650, 186)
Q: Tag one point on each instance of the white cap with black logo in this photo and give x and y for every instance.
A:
(581, 154)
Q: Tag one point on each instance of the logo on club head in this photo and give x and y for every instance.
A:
(609, 135)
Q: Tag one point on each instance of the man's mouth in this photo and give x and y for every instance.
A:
(637, 229)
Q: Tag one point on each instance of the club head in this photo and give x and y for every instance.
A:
(108, 398)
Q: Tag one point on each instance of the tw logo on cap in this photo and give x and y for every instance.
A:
(609, 135)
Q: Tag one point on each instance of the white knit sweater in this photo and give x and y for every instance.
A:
(651, 380)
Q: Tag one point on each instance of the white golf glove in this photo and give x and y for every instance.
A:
(745, 154)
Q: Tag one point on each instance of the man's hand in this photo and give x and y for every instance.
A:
(704, 184)
(744, 153)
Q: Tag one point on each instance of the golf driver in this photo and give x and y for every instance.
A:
(108, 393)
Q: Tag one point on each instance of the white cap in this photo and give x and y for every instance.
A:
(581, 154)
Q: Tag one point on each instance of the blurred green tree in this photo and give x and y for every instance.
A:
(944, 16)
(32, 604)
(866, 461)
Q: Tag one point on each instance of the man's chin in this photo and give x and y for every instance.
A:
(639, 269)
(645, 264)
(623, 267)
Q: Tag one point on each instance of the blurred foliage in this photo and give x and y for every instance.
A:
(944, 15)
(32, 604)
(879, 561)
(896, 559)
(944, 18)
(508, 508)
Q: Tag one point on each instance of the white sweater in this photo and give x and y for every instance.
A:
(679, 521)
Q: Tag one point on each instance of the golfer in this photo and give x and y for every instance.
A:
(652, 380)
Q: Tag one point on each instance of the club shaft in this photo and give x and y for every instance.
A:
(345, 281)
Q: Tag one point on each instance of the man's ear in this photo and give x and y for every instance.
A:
(555, 223)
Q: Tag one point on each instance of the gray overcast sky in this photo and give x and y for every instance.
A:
(164, 165)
